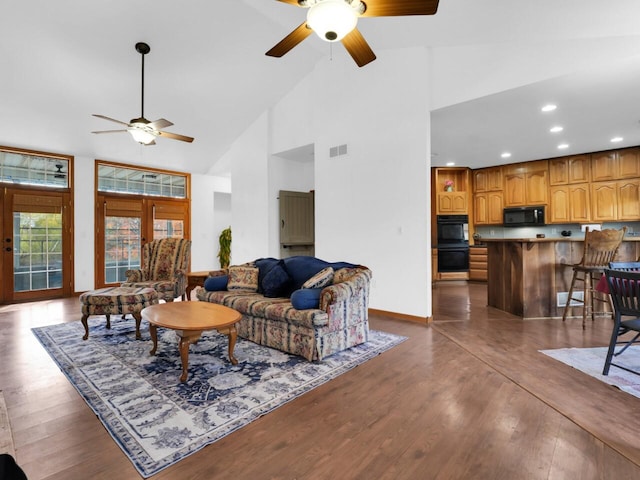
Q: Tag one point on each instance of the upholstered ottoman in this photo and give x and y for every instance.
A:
(116, 301)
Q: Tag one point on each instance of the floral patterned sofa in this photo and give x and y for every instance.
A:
(301, 305)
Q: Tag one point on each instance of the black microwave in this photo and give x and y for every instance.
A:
(523, 217)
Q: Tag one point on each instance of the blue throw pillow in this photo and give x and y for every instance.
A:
(277, 282)
(264, 265)
(214, 284)
(302, 268)
(306, 298)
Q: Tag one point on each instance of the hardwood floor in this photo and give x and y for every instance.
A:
(469, 397)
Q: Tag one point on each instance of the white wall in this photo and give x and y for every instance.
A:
(84, 223)
(249, 202)
(372, 204)
(204, 238)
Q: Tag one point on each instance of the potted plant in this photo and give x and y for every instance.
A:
(224, 253)
(448, 185)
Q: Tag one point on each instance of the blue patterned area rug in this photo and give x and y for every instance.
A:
(157, 420)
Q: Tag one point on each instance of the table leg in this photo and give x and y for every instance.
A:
(153, 331)
(86, 326)
(232, 336)
(138, 318)
(186, 339)
(108, 320)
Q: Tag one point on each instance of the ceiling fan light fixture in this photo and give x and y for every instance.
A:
(140, 134)
(332, 20)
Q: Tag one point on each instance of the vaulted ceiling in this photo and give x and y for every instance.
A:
(207, 73)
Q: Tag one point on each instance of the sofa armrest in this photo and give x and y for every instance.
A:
(345, 291)
(135, 276)
(219, 273)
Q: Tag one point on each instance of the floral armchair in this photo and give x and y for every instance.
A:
(164, 268)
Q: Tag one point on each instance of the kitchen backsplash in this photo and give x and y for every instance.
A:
(550, 231)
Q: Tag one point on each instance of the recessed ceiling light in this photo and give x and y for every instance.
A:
(505, 155)
(450, 164)
(616, 139)
(562, 146)
(549, 108)
(556, 129)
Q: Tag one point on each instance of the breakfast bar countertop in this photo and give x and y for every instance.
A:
(577, 238)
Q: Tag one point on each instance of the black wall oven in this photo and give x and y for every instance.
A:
(453, 243)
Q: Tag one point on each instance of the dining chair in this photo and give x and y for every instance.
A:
(624, 288)
(600, 248)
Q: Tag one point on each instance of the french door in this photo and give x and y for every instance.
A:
(37, 254)
(124, 223)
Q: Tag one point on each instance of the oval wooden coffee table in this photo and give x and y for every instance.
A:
(189, 320)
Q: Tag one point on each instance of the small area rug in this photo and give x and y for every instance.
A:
(157, 420)
(591, 362)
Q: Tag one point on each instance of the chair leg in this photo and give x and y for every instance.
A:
(587, 309)
(612, 345)
(567, 306)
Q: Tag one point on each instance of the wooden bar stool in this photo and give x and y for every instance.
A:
(600, 248)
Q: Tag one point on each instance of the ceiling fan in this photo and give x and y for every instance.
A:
(142, 130)
(335, 20)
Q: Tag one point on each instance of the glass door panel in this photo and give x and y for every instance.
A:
(168, 229)
(37, 256)
(119, 238)
(37, 251)
(122, 240)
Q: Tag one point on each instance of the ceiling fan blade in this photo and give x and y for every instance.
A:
(290, 41)
(175, 136)
(160, 123)
(291, 2)
(111, 119)
(110, 131)
(395, 8)
(358, 48)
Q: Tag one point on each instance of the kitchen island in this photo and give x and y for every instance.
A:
(525, 275)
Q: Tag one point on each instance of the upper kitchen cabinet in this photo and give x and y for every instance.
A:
(488, 179)
(451, 190)
(615, 164)
(570, 204)
(488, 207)
(568, 170)
(526, 184)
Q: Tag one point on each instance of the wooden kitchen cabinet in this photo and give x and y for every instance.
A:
(628, 195)
(514, 190)
(454, 199)
(604, 202)
(478, 263)
(488, 179)
(452, 202)
(569, 204)
(615, 164)
(526, 188)
(574, 169)
(615, 201)
(628, 163)
(488, 208)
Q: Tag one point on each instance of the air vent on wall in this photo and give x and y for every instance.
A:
(338, 150)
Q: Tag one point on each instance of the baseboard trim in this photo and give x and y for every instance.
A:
(402, 316)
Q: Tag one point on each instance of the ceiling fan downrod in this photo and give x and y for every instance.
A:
(142, 48)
